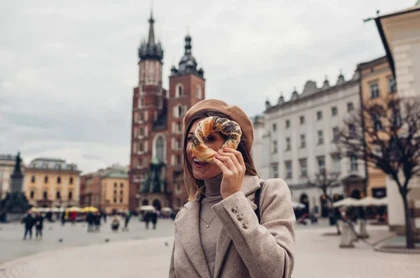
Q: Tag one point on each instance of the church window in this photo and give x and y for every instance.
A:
(33, 179)
(198, 92)
(179, 90)
(179, 111)
(159, 148)
(58, 180)
(141, 147)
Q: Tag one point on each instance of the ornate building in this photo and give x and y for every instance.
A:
(156, 176)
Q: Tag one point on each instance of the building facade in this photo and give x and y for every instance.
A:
(52, 183)
(400, 35)
(7, 164)
(107, 189)
(156, 175)
(297, 139)
(376, 82)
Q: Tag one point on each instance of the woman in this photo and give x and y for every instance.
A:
(218, 233)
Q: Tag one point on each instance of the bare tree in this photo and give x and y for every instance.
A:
(386, 134)
(326, 182)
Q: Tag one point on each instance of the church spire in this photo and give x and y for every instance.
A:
(151, 40)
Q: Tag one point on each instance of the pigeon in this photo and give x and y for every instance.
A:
(166, 243)
(60, 240)
(107, 240)
(50, 228)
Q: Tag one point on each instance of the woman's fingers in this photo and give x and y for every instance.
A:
(227, 160)
(220, 163)
(236, 157)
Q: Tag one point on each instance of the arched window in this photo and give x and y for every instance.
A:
(58, 180)
(198, 92)
(159, 148)
(179, 111)
(45, 179)
(179, 90)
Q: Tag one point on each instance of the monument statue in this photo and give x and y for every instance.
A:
(15, 205)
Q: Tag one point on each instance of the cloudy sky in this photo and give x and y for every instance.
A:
(67, 68)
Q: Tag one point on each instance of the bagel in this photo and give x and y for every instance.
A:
(214, 124)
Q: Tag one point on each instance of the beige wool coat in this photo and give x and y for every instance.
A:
(245, 248)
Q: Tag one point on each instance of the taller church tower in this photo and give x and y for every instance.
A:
(156, 176)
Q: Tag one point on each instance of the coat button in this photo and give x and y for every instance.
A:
(234, 210)
(240, 217)
(245, 225)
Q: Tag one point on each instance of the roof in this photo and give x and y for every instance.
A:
(7, 157)
(52, 164)
(372, 63)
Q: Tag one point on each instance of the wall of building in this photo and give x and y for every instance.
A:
(114, 194)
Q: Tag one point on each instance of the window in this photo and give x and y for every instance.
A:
(288, 169)
(179, 90)
(302, 141)
(350, 106)
(274, 127)
(336, 163)
(45, 179)
(352, 130)
(179, 127)
(45, 195)
(121, 185)
(288, 144)
(141, 102)
(287, 123)
(141, 116)
(141, 146)
(70, 195)
(321, 164)
(353, 163)
(319, 115)
(320, 137)
(303, 167)
(376, 122)
(179, 159)
(33, 179)
(274, 146)
(179, 111)
(160, 148)
(32, 194)
(115, 200)
(302, 120)
(121, 192)
(336, 134)
(58, 180)
(392, 85)
(58, 195)
(275, 170)
(115, 191)
(334, 111)
(115, 185)
(121, 200)
(71, 180)
(397, 119)
(198, 92)
(374, 90)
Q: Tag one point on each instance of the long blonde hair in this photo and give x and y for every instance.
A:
(192, 184)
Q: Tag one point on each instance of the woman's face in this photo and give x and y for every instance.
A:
(202, 170)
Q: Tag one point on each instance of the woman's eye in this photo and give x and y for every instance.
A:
(210, 138)
(189, 138)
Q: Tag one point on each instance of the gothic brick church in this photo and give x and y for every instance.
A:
(156, 172)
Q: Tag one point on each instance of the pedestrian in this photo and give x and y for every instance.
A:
(154, 219)
(126, 221)
(147, 217)
(39, 225)
(218, 233)
(29, 222)
(90, 221)
(97, 221)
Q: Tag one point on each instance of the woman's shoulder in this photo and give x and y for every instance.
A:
(274, 186)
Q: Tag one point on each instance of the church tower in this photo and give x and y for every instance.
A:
(186, 88)
(149, 112)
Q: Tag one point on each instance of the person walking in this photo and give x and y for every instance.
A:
(147, 217)
(154, 219)
(39, 225)
(29, 222)
(126, 221)
(235, 224)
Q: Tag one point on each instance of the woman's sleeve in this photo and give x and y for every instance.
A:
(267, 248)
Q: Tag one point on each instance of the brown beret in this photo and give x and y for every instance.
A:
(233, 112)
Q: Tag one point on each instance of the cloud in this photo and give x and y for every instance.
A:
(67, 69)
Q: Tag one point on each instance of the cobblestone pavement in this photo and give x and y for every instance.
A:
(317, 255)
(11, 237)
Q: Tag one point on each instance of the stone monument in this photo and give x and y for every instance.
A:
(15, 205)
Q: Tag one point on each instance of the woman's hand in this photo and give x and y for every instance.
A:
(232, 164)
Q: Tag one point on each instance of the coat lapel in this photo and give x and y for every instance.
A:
(187, 226)
(249, 185)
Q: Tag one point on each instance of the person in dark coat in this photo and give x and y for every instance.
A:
(154, 218)
(29, 222)
(126, 221)
(147, 217)
(39, 225)
(90, 221)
